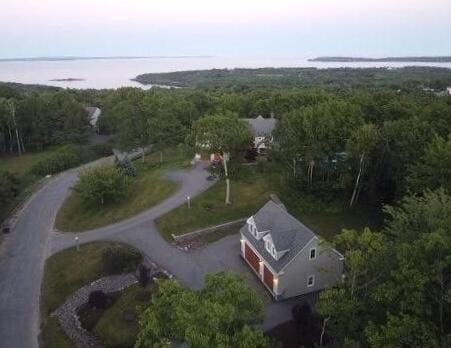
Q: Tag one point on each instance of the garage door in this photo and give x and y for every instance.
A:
(252, 258)
(268, 278)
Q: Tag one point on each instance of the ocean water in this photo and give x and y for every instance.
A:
(114, 73)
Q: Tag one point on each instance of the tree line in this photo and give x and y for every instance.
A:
(34, 121)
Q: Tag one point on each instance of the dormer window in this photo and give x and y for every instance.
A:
(251, 227)
(312, 253)
(268, 246)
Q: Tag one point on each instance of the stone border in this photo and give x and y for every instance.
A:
(67, 312)
(178, 238)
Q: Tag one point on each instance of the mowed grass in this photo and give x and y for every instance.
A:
(118, 326)
(209, 208)
(69, 270)
(53, 336)
(248, 195)
(22, 164)
(66, 272)
(146, 190)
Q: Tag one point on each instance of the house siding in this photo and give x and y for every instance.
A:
(327, 268)
(268, 278)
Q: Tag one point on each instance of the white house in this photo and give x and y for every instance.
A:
(261, 129)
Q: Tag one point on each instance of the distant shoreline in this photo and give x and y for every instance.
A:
(56, 59)
(436, 59)
(70, 79)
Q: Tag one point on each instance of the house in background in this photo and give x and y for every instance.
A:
(262, 129)
(287, 256)
(448, 90)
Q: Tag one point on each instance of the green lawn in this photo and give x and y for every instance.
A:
(208, 209)
(249, 194)
(118, 326)
(22, 164)
(69, 270)
(53, 336)
(146, 190)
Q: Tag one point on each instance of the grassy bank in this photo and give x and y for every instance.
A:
(118, 326)
(146, 190)
(249, 193)
(69, 270)
(21, 166)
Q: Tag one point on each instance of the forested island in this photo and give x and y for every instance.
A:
(69, 79)
(438, 59)
(408, 77)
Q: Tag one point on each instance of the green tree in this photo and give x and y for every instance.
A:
(101, 185)
(362, 142)
(402, 331)
(222, 314)
(420, 282)
(224, 133)
(433, 169)
(347, 307)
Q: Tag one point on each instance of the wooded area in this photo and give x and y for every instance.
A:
(355, 136)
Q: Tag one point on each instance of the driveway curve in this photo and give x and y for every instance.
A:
(32, 240)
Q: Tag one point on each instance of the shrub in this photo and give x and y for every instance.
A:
(126, 167)
(9, 187)
(57, 162)
(100, 185)
(120, 260)
(98, 299)
(143, 275)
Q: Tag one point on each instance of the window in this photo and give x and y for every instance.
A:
(312, 253)
(310, 281)
(268, 246)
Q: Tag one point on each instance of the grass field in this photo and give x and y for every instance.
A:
(250, 193)
(66, 272)
(146, 190)
(22, 164)
(118, 326)
(209, 208)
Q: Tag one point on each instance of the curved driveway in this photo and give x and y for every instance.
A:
(23, 253)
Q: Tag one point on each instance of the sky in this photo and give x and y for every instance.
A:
(289, 28)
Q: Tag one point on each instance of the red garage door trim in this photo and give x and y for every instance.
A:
(268, 278)
(252, 258)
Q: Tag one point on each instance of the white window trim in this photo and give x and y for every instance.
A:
(312, 276)
(310, 254)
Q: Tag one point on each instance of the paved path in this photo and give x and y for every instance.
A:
(23, 252)
(33, 239)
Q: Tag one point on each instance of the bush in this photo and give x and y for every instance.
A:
(57, 162)
(100, 185)
(98, 299)
(117, 260)
(126, 167)
(9, 187)
(143, 275)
